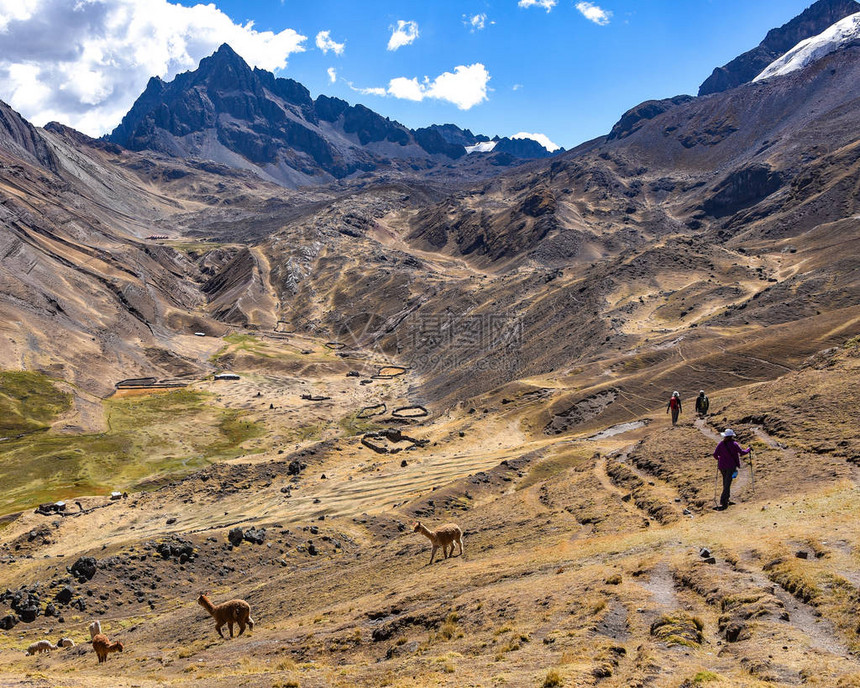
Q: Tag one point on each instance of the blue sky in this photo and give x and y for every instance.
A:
(559, 72)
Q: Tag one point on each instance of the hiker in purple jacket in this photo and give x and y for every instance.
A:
(728, 456)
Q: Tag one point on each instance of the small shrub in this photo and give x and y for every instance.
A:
(448, 629)
(705, 677)
(286, 664)
(553, 679)
(678, 628)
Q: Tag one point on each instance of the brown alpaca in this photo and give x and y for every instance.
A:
(443, 536)
(234, 611)
(104, 647)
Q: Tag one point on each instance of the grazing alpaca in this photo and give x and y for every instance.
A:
(40, 646)
(95, 629)
(443, 536)
(104, 647)
(234, 611)
(65, 642)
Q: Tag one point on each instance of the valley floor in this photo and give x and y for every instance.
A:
(592, 557)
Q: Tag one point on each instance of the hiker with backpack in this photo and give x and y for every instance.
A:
(702, 403)
(674, 406)
(728, 456)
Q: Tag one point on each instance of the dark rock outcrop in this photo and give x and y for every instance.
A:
(742, 188)
(523, 148)
(20, 138)
(433, 142)
(84, 568)
(746, 67)
(454, 134)
(632, 119)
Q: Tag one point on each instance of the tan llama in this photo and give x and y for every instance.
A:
(65, 642)
(104, 647)
(234, 611)
(40, 646)
(443, 536)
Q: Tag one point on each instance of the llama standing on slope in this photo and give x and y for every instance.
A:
(104, 647)
(65, 642)
(40, 646)
(234, 611)
(443, 536)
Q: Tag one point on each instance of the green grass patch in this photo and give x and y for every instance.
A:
(29, 401)
(305, 433)
(705, 677)
(357, 426)
(150, 437)
(237, 343)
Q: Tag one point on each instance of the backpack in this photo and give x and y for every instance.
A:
(673, 402)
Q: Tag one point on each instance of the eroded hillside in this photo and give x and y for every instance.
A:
(402, 346)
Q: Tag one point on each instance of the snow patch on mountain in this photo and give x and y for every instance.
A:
(808, 51)
(481, 147)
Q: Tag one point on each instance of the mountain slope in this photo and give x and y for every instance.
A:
(812, 21)
(685, 223)
(82, 293)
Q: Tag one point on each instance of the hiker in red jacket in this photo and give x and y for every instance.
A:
(728, 456)
(674, 406)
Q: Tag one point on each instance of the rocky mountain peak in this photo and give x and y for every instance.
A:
(249, 118)
(225, 70)
(21, 139)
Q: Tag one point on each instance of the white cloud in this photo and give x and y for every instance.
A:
(84, 63)
(476, 22)
(403, 34)
(325, 43)
(542, 139)
(372, 91)
(516, 87)
(546, 4)
(594, 13)
(465, 87)
(407, 89)
(332, 74)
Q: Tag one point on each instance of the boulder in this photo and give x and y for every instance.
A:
(255, 535)
(85, 568)
(29, 613)
(65, 595)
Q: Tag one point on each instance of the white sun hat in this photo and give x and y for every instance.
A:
(728, 433)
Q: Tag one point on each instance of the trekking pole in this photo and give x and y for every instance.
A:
(752, 473)
(716, 486)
